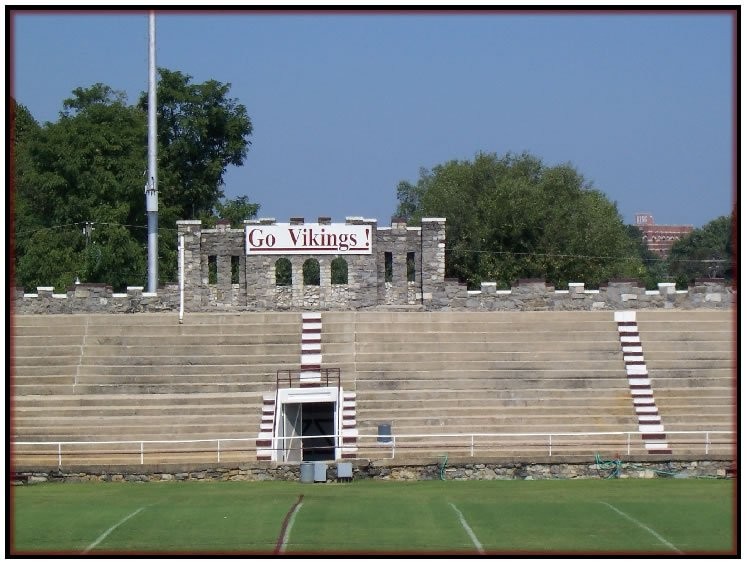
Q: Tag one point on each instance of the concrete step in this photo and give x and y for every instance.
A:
(147, 418)
(135, 359)
(406, 366)
(134, 435)
(670, 335)
(57, 340)
(40, 413)
(484, 353)
(135, 400)
(157, 349)
(171, 388)
(474, 317)
(406, 420)
(495, 413)
(722, 348)
(23, 372)
(54, 351)
(502, 405)
(526, 336)
(680, 316)
(378, 380)
(688, 355)
(531, 394)
(186, 371)
(400, 428)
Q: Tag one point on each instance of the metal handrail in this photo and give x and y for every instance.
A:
(392, 445)
(327, 374)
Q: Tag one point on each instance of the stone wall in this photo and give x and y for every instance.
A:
(448, 296)
(458, 470)
(248, 282)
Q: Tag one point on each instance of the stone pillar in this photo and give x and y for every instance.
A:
(223, 264)
(399, 260)
(193, 287)
(363, 270)
(297, 262)
(325, 279)
(433, 253)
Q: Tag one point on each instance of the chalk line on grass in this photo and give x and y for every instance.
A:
(290, 517)
(644, 526)
(103, 536)
(469, 531)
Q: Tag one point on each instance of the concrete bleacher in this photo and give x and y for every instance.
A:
(147, 378)
(691, 360)
(481, 373)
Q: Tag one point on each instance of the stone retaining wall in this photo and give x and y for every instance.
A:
(559, 468)
(448, 296)
(405, 270)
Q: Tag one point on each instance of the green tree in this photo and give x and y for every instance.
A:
(201, 131)
(89, 168)
(237, 210)
(706, 252)
(23, 221)
(654, 269)
(86, 167)
(513, 217)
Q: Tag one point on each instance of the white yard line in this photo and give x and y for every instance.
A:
(644, 526)
(102, 537)
(469, 531)
(286, 535)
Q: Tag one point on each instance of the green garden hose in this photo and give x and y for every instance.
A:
(613, 466)
(442, 468)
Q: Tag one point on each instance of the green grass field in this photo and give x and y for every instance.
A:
(623, 516)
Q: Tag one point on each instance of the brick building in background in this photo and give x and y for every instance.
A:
(659, 238)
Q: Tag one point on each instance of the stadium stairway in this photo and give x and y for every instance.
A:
(691, 361)
(649, 420)
(309, 376)
(438, 379)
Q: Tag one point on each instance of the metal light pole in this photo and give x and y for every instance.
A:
(151, 186)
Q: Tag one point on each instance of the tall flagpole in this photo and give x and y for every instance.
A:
(151, 186)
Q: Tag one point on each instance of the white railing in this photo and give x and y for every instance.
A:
(401, 441)
(627, 436)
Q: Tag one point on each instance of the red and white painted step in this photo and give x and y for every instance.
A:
(311, 348)
(266, 428)
(649, 420)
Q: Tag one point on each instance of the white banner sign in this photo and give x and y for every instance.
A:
(311, 239)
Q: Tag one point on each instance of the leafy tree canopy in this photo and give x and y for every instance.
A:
(78, 183)
(513, 217)
(704, 253)
(237, 210)
(201, 131)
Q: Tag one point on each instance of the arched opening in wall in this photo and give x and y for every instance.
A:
(339, 271)
(283, 272)
(311, 272)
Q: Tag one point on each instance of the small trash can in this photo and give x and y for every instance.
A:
(320, 472)
(307, 472)
(384, 434)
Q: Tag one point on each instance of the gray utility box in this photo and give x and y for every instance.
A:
(345, 471)
(320, 472)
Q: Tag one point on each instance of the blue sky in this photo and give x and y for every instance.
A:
(345, 106)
